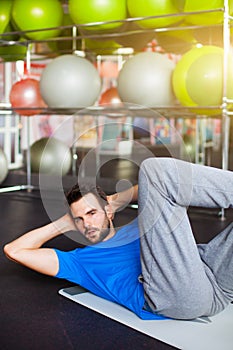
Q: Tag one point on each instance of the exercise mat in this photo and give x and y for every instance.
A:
(213, 333)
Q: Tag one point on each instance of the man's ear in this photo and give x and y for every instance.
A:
(109, 211)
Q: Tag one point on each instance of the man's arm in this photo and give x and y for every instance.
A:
(27, 250)
(122, 199)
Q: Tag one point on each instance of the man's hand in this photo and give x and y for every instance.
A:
(120, 200)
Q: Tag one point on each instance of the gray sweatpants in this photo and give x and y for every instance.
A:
(181, 279)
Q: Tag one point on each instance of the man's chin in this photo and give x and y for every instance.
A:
(92, 238)
(97, 238)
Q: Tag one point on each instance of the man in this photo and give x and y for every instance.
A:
(153, 265)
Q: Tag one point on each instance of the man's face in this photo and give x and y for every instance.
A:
(90, 218)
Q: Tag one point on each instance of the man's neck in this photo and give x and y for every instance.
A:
(112, 232)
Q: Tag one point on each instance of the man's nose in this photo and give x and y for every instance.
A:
(86, 222)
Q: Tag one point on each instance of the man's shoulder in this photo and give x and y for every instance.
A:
(128, 232)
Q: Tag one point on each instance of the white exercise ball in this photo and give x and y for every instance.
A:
(145, 79)
(70, 81)
(3, 166)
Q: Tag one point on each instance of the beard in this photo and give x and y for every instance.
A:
(95, 235)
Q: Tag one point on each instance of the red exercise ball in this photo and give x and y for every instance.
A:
(110, 97)
(26, 94)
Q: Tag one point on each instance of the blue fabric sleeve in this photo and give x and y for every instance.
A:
(69, 268)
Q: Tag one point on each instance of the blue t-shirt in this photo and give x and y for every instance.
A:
(110, 270)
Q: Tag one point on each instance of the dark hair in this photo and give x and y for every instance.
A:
(77, 192)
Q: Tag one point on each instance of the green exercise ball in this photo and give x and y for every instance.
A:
(176, 41)
(107, 47)
(37, 15)
(50, 156)
(92, 11)
(5, 12)
(137, 38)
(3, 166)
(63, 46)
(12, 53)
(145, 8)
(10, 33)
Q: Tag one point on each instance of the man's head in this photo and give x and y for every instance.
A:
(91, 213)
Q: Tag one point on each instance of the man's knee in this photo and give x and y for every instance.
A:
(157, 170)
(157, 165)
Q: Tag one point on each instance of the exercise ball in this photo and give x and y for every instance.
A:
(110, 97)
(188, 149)
(176, 41)
(207, 18)
(209, 35)
(3, 166)
(33, 15)
(106, 47)
(108, 69)
(135, 37)
(145, 79)
(69, 81)
(141, 127)
(198, 77)
(50, 156)
(26, 94)
(65, 45)
(10, 34)
(139, 8)
(5, 14)
(92, 11)
(15, 52)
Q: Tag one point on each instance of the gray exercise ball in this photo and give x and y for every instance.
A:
(145, 79)
(70, 81)
(3, 166)
(50, 156)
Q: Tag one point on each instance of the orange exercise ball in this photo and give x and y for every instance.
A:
(110, 97)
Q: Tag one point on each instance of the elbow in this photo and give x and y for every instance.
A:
(10, 252)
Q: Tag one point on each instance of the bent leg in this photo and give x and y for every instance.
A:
(176, 281)
(218, 255)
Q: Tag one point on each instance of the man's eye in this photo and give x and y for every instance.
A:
(77, 220)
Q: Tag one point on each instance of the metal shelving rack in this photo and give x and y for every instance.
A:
(176, 111)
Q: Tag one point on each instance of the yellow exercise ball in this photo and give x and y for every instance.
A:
(197, 79)
(207, 18)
